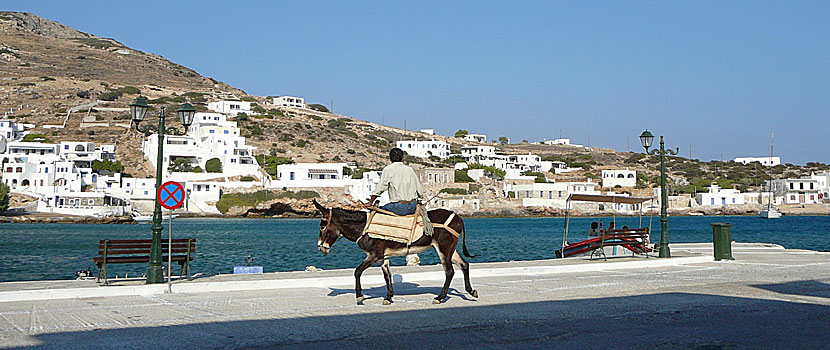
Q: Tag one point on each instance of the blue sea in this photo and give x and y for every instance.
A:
(57, 251)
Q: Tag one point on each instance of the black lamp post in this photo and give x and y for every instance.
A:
(646, 138)
(138, 110)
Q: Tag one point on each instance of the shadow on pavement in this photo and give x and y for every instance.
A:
(810, 288)
(657, 321)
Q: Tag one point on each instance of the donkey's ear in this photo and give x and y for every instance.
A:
(321, 208)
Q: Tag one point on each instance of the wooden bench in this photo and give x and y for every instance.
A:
(138, 251)
(633, 239)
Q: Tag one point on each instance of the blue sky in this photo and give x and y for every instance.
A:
(716, 75)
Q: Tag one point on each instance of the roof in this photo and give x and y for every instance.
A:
(323, 171)
(608, 199)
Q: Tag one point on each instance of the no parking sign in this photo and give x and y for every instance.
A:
(170, 195)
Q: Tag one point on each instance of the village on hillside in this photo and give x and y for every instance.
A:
(223, 174)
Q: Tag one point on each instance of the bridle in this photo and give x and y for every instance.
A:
(324, 230)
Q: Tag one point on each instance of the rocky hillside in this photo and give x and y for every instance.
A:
(51, 74)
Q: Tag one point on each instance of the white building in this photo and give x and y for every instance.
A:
(767, 161)
(622, 178)
(549, 194)
(231, 108)
(425, 149)
(476, 138)
(719, 196)
(798, 191)
(475, 153)
(823, 180)
(310, 171)
(210, 136)
(288, 101)
(557, 142)
(9, 131)
(428, 131)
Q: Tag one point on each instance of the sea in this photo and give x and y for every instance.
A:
(58, 251)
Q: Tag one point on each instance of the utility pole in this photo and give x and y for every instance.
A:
(627, 144)
(690, 151)
(331, 106)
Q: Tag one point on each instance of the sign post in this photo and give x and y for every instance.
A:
(171, 196)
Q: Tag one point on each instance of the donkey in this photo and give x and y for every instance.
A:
(337, 222)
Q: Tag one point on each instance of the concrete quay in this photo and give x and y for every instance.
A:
(768, 297)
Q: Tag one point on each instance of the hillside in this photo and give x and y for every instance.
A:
(48, 69)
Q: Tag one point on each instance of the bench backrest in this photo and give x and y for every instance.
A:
(142, 246)
(636, 232)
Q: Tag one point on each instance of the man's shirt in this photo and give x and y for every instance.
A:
(401, 183)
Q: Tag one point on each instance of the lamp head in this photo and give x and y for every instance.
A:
(186, 114)
(138, 109)
(646, 138)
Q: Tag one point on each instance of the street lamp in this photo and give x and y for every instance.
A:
(646, 138)
(138, 111)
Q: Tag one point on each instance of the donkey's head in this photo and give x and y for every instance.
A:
(329, 231)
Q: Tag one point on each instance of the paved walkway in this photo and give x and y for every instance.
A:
(767, 297)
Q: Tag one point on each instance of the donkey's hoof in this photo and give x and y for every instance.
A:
(387, 302)
(360, 300)
(436, 301)
(474, 293)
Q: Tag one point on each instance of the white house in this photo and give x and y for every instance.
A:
(210, 136)
(425, 149)
(798, 191)
(557, 142)
(288, 101)
(9, 131)
(476, 138)
(549, 194)
(622, 178)
(823, 180)
(767, 161)
(719, 196)
(230, 107)
(474, 153)
(428, 131)
(310, 171)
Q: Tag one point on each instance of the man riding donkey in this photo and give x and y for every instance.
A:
(404, 189)
(393, 230)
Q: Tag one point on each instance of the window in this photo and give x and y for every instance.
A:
(801, 186)
(292, 176)
(792, 186)
(212, 131)
(713, 201)
(227, 132)
(91, 202)
(811, 185)
(65, 146)
(733, 200)
(145, 192)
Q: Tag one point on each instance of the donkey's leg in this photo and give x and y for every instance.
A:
(371, 259)
(446, 260)
(465, 268)
(387, 274)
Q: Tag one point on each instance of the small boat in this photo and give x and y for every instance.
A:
(146, 219)
(771, 213)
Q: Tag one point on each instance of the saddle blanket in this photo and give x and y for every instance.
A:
(402, 229)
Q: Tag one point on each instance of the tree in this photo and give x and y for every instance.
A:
(503, 140)
(213, 165)
(461, 133)
(4, 197)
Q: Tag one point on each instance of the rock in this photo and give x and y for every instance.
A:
(312, 268)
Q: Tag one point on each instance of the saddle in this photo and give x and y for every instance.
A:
(406, 229)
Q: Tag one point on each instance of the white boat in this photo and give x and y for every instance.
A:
(146, 219)
(770, 212)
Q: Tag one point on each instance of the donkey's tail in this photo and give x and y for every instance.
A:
(464, 241)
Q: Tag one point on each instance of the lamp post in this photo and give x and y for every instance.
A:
(138, 110)
(646, 138)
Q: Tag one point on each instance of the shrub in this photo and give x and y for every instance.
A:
(461, 176)
(301, 143)
(461, 133)
(229, 200)
(453, 190)
(82, 94)
(36, 138)
(298, 195)
(318, 107)
(110, 96)
(246, 178)
(314, 117)
(270, 163)
(259, 110)
(248, 99)
(4, 197)
(46, 78)
(107, 166)
(337, 123)
(183, 165)
(213, 165)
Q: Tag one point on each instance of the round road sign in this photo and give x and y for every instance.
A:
(170, 195)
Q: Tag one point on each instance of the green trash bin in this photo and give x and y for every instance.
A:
(722, 239)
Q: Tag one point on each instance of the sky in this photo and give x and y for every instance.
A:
(714, 77)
